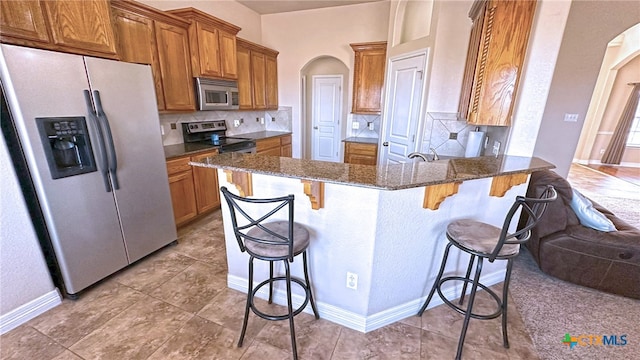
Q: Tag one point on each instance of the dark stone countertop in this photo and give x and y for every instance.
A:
(388, 177)
(182, 149)
(361, 140)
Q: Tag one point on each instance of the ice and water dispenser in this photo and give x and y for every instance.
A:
(67, 145)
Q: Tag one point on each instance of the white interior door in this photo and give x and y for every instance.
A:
(326, 112)
(402, 110)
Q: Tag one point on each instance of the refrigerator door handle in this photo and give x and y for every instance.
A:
(104, 121)
(104, 166)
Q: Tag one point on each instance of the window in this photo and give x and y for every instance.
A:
(634, 132)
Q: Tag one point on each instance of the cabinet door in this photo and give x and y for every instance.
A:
(368, 81)
(82, 25)
(23, 20)
(245, 89)
(137, 44)
(503, 43)
(285, 149)
(183, 197)
(208, 50)
(175, 66)
(271, 81)
(258, 77)
(205, 181)
(228, 61)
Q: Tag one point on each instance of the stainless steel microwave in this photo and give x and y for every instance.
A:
(217, 94)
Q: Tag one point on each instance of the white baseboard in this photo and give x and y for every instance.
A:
(30, 310)
(359, 322)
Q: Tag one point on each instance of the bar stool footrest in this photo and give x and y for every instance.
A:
(464, 311)
(285, 316)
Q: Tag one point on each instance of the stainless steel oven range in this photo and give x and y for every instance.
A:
(214, 133)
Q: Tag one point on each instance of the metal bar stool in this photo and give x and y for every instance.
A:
(484, 241)
(271, 241)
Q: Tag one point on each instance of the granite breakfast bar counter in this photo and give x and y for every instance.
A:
(383, 223)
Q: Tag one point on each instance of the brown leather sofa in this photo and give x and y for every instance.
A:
(607, 261)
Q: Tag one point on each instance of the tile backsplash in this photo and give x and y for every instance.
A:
(448, 135)
(251, 121)
(365, 123)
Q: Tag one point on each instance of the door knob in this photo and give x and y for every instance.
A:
(386, 143)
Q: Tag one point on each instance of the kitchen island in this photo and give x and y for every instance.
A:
(385, 224)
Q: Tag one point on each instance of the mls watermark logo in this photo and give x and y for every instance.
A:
(594, 340)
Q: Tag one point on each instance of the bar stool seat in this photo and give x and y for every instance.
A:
(479, 237)
(300, 239)
(485, 241)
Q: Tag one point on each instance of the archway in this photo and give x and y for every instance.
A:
(321, 65)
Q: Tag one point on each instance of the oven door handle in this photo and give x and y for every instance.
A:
(104, 162)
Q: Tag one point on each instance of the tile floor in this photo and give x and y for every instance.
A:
(175, 304)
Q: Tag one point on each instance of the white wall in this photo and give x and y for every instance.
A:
(24, 276)
(228, 10)
(302, 36)
(591, 25)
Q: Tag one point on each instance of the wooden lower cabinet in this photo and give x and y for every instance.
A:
(359, 153)
(274, 146)
(206, 184)
(194, 190)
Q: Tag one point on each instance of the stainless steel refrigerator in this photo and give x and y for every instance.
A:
(89, 133)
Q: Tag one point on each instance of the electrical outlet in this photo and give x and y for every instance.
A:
(173, 126)
(370, 126)
(262, 120)
(355, 125)
(352, 280)
(601, 151)
(496, 148)
(571, 117)
(236, 123)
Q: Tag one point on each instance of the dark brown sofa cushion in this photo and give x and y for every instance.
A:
(608, 261)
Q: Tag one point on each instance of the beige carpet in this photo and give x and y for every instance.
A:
(551, 307)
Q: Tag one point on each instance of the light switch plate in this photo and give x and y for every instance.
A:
(355, 125)
(571, 117)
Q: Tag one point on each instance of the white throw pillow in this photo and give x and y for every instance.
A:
(588, 215)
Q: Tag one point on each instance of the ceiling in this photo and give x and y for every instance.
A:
(279, 6)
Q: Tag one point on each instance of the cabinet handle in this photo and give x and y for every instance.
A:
(386, 143)
(315, 128)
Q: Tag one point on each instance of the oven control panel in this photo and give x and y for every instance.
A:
(205, 126)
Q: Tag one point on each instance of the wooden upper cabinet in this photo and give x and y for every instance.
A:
(213, 44)
(271, 81)
(228, 61)
(175, 67)
(81, 27)
(245, 89)
(368, 76)
(137, 44)
(498, 43)
(258, 79)
(146, 35)
(23, 20)
(257, 76)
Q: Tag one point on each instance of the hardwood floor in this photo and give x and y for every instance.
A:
(588, 180)
(629, 174)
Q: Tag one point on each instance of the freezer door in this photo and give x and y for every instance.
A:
(80, 215)
(127, 95)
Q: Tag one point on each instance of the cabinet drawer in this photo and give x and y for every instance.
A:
(178, 165)
(266, 144)
(285, 140)
(362, 149)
